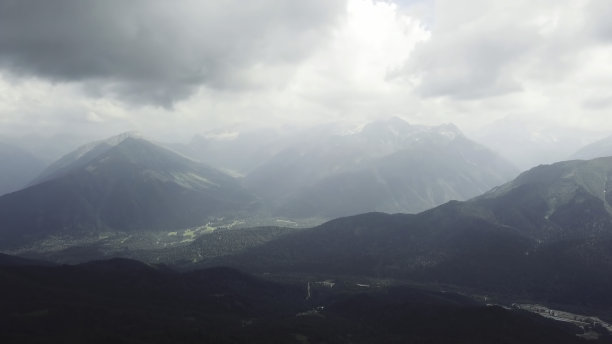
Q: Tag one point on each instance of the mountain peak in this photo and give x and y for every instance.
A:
(124, 183)
(391, 127)
(399, 128)
(83, 156)
(448, 130)
(111, 142)
(114, 140)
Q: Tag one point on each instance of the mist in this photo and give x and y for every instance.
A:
(345, 171)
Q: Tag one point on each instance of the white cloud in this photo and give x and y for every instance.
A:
(350, 75)
(545, 60)
(470, 62)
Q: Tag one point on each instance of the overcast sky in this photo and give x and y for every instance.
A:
(175, 68)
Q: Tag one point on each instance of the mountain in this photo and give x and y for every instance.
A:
(80, 157)
(125, 301)
(123, 184)
(547, 235)
(597, 149)
(565, 200)
(17, 168)
(528, 143)
(389, 166)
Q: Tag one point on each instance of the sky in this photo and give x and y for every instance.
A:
(171, 69)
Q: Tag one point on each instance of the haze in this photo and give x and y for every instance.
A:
(285, 171)
(529, 79)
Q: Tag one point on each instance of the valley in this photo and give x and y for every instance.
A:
(192, 245)
(525, 249)
(225, 305)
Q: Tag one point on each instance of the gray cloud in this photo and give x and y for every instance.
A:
(486, 49)
(469, 66)
(597, 103)
(472, 59)
(213, 64)
(599, 23)
(157, 51)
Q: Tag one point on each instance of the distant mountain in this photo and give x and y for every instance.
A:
(124, 301)
(235, 152)
(240, 151)
(17, 168)
(546, 235)
(122, 184)
(527, 143)
(597, 149)
(389, 166)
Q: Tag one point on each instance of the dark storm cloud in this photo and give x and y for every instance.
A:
(156, 50)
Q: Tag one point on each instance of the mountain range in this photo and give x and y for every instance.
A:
(388, 166)
(126, 183)
(546, 235)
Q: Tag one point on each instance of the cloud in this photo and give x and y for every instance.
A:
(157, 51)
(103, 67)
(599, 25)
(597, 103)
(350, 75)
(482, 49)
(464, 67)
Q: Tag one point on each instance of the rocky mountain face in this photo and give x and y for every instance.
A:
(388, 166)
(122, 184)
